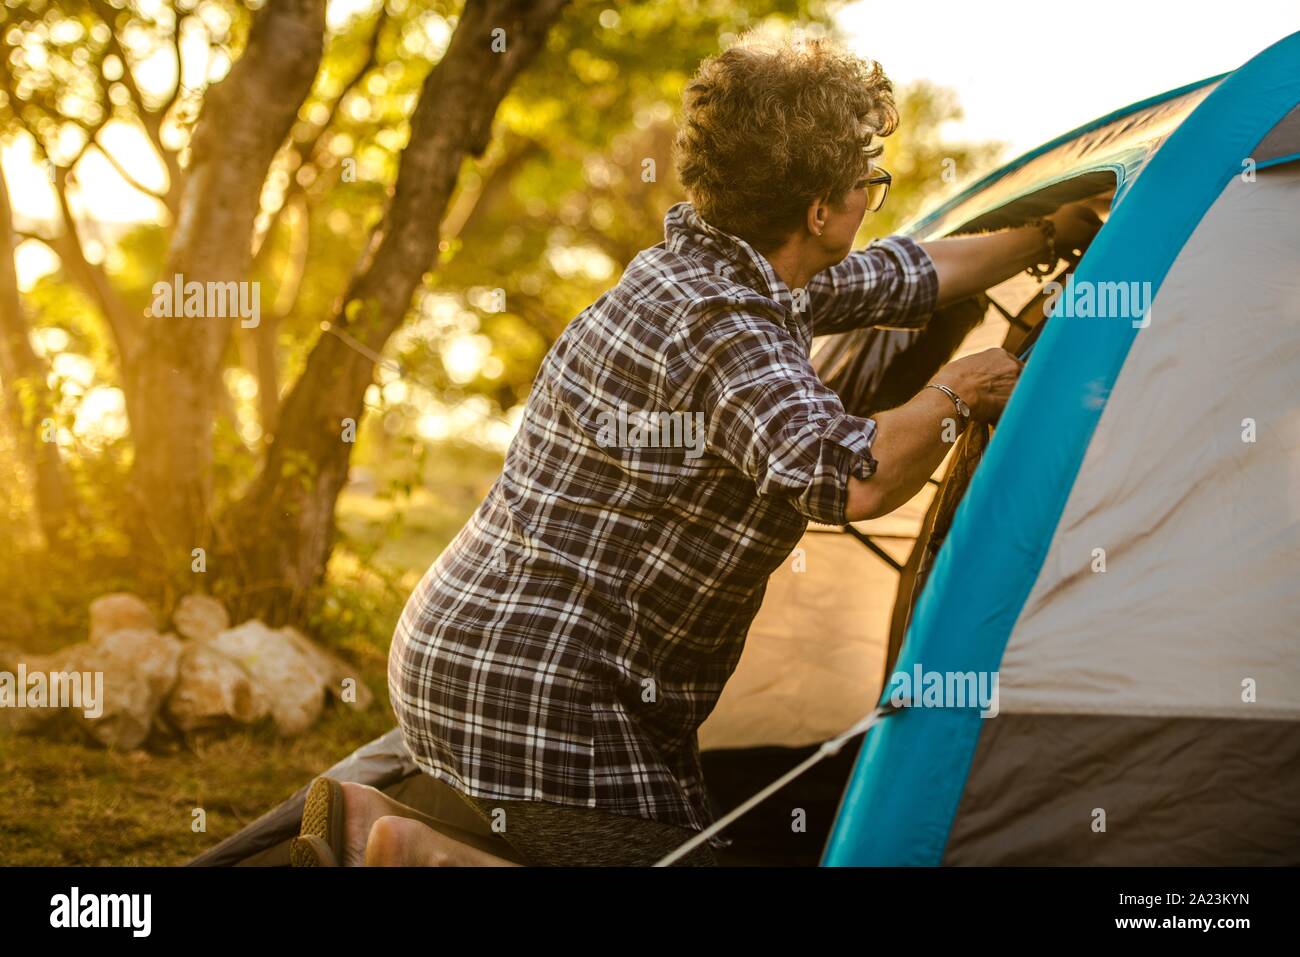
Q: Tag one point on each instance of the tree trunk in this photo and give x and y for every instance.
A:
(173, 376)
(282, 532)
(27, 398)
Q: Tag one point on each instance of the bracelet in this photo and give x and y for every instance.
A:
(963, 410)
(1040, 270)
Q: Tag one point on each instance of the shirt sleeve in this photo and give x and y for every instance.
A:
(768, 415)
(891, 283)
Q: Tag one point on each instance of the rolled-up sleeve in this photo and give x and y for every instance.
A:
(767, 414)
(890, 283)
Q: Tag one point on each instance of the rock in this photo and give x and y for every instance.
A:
(334, 671)
(222, 676)
(200, 617)
(119, 611)
(292, 681)
(139, 667)
(212, 691)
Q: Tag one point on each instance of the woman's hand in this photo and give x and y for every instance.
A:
(984, 381)
(912, 439)
(1076, 224)
(967, 265)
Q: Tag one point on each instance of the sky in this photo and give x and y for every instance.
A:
(1026, 71)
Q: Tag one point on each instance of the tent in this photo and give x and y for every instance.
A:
(1125, 557)
(1123, 734)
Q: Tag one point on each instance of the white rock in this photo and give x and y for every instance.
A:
(139, 667)
(213, 691)
(117, 612)
(200, 617)
(334, 671)
(290, 680)
(237, 676)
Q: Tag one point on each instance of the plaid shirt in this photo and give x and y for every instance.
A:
(570, 640)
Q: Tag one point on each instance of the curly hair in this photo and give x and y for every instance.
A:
(770, 127)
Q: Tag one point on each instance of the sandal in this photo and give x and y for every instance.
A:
(320, 839)
(311, 851)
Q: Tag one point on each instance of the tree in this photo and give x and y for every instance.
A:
(282, 530)
(496, 160)
(172, 367)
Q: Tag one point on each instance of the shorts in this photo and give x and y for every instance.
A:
(555, 835)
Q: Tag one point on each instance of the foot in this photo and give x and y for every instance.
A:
(402, 842)
(362, 807)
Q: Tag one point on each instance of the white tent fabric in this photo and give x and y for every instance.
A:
(1185, 509)
(815, 655)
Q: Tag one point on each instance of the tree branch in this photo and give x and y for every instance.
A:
(91, 276)
(462, 222)
(130, 179)
(151, 120)
(176, 54)
(306, 150)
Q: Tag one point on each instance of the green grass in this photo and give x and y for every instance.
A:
(66, 802)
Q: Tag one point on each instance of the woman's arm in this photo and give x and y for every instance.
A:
(908, 447)
(910, 440)
(967, 265)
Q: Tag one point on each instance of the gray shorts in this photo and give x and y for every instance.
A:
(553, 835)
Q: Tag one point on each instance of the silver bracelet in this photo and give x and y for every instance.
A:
(963, 410)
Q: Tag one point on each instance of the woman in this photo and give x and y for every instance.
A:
(555, 662)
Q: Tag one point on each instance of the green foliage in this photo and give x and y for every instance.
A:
(548, 217)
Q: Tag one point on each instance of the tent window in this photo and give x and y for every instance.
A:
(1282, 140)
(1040, 202)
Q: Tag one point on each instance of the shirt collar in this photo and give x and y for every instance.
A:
(686, 231)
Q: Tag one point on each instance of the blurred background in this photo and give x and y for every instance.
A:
(420, 238)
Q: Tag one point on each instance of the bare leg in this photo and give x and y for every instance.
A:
(404, 842)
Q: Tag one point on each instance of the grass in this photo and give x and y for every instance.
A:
(65, 802)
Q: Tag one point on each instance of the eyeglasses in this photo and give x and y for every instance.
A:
(877, 189)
